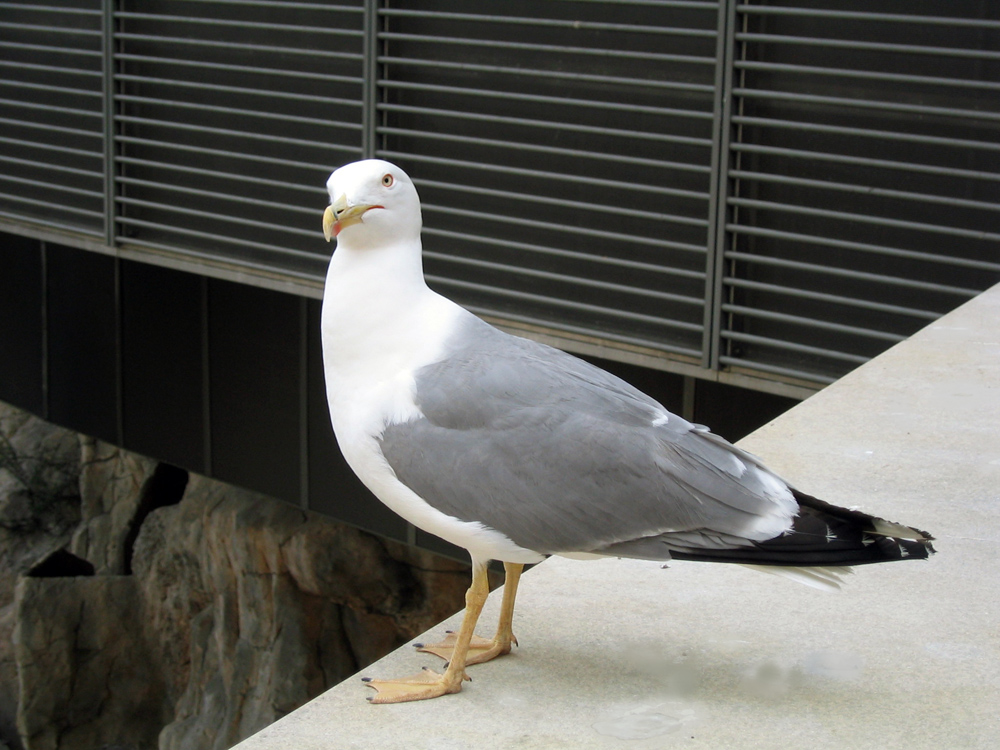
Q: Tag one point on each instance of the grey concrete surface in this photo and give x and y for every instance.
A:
(618, 654)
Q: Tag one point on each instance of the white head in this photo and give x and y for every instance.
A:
(372, 203)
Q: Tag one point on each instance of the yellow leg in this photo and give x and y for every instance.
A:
(429, 684)
(480, 649)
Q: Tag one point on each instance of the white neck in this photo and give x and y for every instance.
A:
(380, 319)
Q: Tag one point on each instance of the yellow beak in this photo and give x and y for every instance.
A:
(339, 215)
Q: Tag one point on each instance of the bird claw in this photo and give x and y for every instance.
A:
(480, 649)
(422, 686)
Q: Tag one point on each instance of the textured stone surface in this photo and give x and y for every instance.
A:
(39, 509)
(112, 486)
(80, 645)
(143, 608)
(272, 604)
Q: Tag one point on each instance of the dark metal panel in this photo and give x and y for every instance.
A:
(230, 116)
(51, 102)
(864, 183)
(333, 487)
(82, 337)
(21, 323)
(162, 384)
(253, 342)
(563, 153)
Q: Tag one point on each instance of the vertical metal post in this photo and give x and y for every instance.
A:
(689, 384)
(370, 73)
(119, 358)
(110, 147)
(206, 380)
(720, 185)
(304, 344)
(44, 252)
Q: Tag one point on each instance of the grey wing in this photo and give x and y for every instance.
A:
(561, 456)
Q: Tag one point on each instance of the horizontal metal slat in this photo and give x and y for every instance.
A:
(50, 128)
(240, 90)
(512, 145)
(261, 114)
(869, 75)
(868, 16)
(885, 250)
(863, 304)
(232, 265)
(791, 346)
(284, 5)
(851, 44)
(574, 76)
(824, 270)
(883, 105)
(812, 323)
(603, 260)
(250, 158)
(53, 147)
(50, 49)
(223, 218)
(561, 177)
(64, 209)
(866, 190)
(561, 278)
(608, 312)
(51, 69)
(580, 180)
(37, 107)
(582, 231)
(540, 22)
(585, 333)
(59, 9)
(205, 67)
(537, 199)
(240, 47)
(756, 366)
(58, 168)
(882, 221)
(549, 125)
(38, 28)
(614, 106)
(54, 186)
(49, 89)
(754, 148)
(886, 135)
(241, 200)
(216, 239)
(630, 55)
(268, 27)
(203, 129)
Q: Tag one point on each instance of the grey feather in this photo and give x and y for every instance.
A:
(562, 456)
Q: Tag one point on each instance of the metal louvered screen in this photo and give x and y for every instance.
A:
(563, 153)
(52, 140)
(761, 193)
(865, 199)
(228, 114)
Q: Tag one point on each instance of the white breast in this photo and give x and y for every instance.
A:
(370, 362)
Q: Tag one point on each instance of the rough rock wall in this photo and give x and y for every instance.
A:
(178, 612)
(39, 510)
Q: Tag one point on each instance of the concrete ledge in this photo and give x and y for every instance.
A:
(619, 654)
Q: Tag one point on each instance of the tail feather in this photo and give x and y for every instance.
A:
(825, 535)
(824, 578)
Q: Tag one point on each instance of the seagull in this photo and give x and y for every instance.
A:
(517, 451)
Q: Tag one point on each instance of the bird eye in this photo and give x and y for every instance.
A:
(387, 180)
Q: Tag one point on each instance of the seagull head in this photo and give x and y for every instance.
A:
(372, 202)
